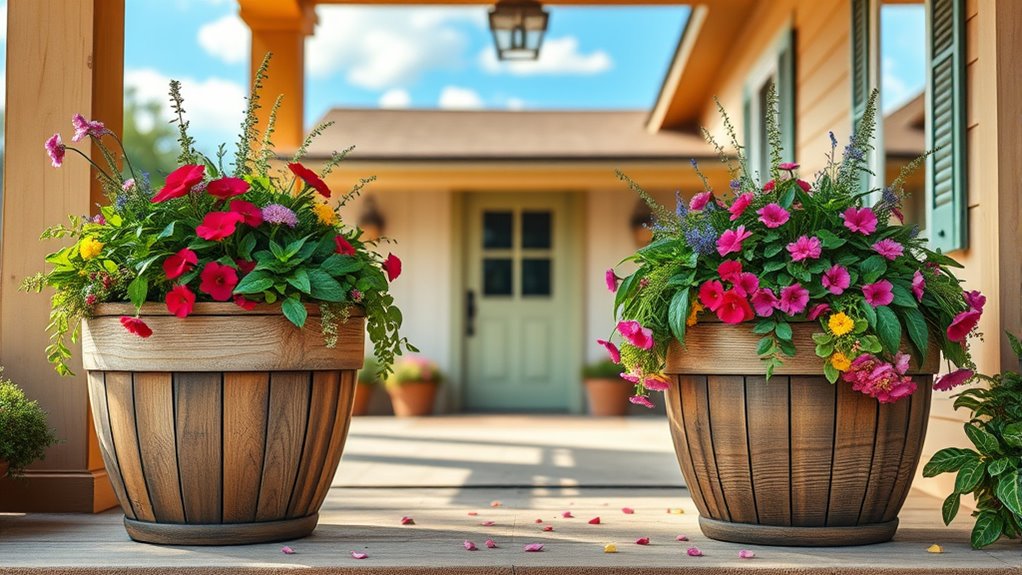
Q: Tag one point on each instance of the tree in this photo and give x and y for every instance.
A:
(149, 140)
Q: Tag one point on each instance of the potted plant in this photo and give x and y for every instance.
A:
(365, 386)
(798, 325)
(992, 472)
(24, 435)
(412, 386)
(222, 319)
(606, 392)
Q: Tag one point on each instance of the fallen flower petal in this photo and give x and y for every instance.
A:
(694, 552)
(534, 547)
(548, 528)
(567, 515)
(610, 548)
(407, 521)
(491, 544)
(473, 513)
(935, 549)
(627, 510)
(538, 521)
(642, 541)
(287, 550)
(594, 521)
(470, 546)
(681, 538)
(746, 554)
(495, 504)
(358, 555)
(488, 523)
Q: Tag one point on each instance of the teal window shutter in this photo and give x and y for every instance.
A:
(947, 216)
(860, 68)
(747, 121)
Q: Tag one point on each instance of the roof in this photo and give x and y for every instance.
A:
(905, 129)
(446, 135)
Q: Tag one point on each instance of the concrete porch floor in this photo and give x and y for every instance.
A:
(440, 471)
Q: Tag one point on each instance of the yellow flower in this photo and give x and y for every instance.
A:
(840, 361)
(89, 247)
(325, 213)
(692, 319)
(840, 324)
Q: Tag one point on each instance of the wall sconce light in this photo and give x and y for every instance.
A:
(641, 223)
(518, 27)
(371, 220)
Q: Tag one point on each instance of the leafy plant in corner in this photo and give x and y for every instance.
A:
(24, 435)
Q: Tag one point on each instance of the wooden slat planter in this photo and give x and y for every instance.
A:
(222, 428)
(792, 461)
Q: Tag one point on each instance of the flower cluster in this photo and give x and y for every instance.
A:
(209, 235)
(786, 251)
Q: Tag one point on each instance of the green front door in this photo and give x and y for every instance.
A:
(521, 301)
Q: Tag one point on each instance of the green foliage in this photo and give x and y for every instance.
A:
(24, 435)
(413, 368)
(603, 369)
(369, 375)
(148, 140)
(992, 471)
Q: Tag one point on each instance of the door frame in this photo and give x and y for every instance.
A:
(573, 314)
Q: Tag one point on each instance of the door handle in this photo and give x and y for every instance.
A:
(470, 313)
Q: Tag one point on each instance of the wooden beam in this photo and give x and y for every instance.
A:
(62, 58)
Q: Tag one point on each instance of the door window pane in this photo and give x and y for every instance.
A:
(497, 230)
(536, 276)
(536, 230)
(497, 276)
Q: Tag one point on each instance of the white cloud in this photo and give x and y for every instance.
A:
(557, 56)
(3, 22)
(455, 98)
(895, 90)
(395, 98)
(515, 104)
(380, 48)
(227, 39)
(214, 106)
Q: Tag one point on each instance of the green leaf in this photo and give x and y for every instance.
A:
(783, 331)
(969, 476)
(872, 268)
(677, 314)
(787, 347)
(1016, 345)
(294, 247)
(1012, 434)
(764, 326)
(788, 198)
(918, 333)
(167, 231)
(773, 249)
(950, 507)
(902, 298)
(988, 529)
(821, 338)
(1009, 491)
(278, 251)
(138, 289)
(984, 441)
(300, 280)
(948, 460)
(774, 265)
(825, 350)
(830, 372)
(338, 265)
(294, 310)
(868, 312)
(766, 345)
(888, 328)
(246, 245)
(325, 288)
(830, 240)
(999, 466)
(254, 282)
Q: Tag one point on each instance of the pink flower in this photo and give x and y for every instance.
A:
(804, 185)
(746, 284)
(699, 201)
(533, 547)
(918, 283)
(836, 279)
(975, 300)
(632, 376)
(805, 247)
(224, 188)
(860, 220)
(731, 240)
(180, 182)
(218, 281)
(85, 128)
(251, 214)
(180, 301)
(491, 544)
(728, 270)
(244, 303)
(136, 326)
(963, 324)
(953, 379)
(710, 294)
(773, 215)
(739, 205)
(787, 166)
(889, 248)
(216, 226)
(734, 308)
(817, 310)
(694, 552)
(764, 302)
(879, 293)
(611, 279)
(657, 382)
(358, 555)
(55, 149)
(746, 554)
(179, 263)
(878, 379)
(469, 546)
(901, 362)
(639, 400)
(794, 299)
(635, 334)
(615, 355)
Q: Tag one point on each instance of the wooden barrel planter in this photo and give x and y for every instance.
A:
(796, 460)
(222, 428)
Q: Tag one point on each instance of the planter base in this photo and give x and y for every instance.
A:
(220, 533)
(798, 536)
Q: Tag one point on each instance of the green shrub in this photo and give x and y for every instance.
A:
(411, 369)
(603, 369)
(24, 435)
(369, 374)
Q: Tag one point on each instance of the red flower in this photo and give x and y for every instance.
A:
(218, 281)
(804, 185)
(180, 301)
(218, 225)
(245, 266)
(392, 266)
(179, 263)
(310, 178)
(963, 323)
(136, 326)
(251, 212)
(243, 303)
(710, 294)
(728, 270)
(346, 249)
(734, 308)
(227, 187)
(180, 182)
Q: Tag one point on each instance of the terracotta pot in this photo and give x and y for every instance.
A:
(4, 466)
(222, 428)
(363, 395)
(792, 461)
(413, 398)
(608, 397)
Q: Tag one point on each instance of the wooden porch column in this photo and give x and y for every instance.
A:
(280, 27)
(63, 57)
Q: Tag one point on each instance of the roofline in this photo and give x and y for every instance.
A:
(591, 159)
(671, 81)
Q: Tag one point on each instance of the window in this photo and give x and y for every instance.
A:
(776, 69)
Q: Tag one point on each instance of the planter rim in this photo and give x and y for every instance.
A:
(208, 308)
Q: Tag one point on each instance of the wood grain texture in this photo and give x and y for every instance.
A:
(120, 398)
(154, 412)
(855, 437)
(101, 422)
(709, 341)
(676, 423)
(226, 534)
(198, 411)
(261, 341)
(915, 433)
(769, 447)
(695, 412)
(285, 436)
(246, 400)
(338, 432)
(812, 444)
(867, 534)
(892, 420)
(319, 428)
(729, 432)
